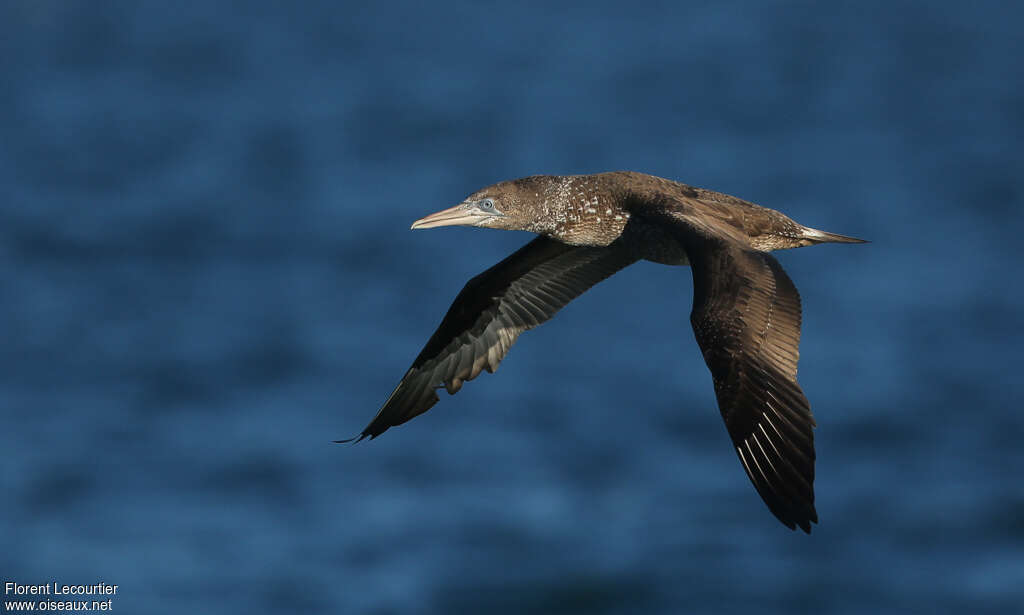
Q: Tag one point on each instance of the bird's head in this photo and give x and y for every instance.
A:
(515, 205)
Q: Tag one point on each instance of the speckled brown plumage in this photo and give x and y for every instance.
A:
(746, 311)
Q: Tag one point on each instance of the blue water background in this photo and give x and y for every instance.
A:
(207, 275)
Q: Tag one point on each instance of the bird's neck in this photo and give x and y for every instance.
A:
(578, 210)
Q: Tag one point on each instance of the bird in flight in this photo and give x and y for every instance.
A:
(746, 310)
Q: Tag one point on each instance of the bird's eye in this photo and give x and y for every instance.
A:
(486, 205)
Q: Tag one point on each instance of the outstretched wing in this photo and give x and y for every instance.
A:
(519, 293)
(746, 317)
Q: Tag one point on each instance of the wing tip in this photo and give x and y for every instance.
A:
(795, 515)
(805, 525)
(355, 439)
(803, 522)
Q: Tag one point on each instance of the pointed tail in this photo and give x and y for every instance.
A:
(823, 237)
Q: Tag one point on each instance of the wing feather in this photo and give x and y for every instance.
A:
(746, 317)
(519, 293)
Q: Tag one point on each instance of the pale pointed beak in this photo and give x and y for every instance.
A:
(464, 214)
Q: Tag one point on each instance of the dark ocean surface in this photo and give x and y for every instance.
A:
(207, 275)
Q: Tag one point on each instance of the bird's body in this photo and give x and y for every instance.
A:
(746, 311)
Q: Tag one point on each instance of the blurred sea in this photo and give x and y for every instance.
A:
(207, 275)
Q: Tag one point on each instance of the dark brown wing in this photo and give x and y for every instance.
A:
(519, 293)
(746, 317)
